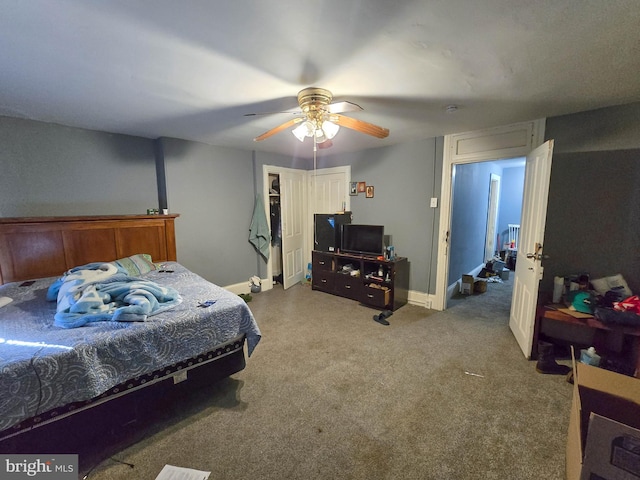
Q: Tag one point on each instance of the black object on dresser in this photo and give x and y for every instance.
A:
(328, 230)
(376, 283)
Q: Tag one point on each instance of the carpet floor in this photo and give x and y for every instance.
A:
(330, 393)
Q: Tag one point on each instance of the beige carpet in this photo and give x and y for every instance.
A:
(331, 394)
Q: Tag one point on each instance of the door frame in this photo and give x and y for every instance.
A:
(510, 141)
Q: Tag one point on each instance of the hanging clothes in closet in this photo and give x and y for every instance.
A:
(276, 230)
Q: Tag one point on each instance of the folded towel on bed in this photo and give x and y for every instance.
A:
(101, 292)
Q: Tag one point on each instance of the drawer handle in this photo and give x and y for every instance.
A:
(324, 280)
(347, 286)
(321, 263)
(369, 295)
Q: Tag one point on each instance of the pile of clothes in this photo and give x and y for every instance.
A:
(610, 300)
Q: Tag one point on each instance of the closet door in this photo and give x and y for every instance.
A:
(293, 201)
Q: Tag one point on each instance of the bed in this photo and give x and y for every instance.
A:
(49, 374)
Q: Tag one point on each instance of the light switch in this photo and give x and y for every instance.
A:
(434, 202)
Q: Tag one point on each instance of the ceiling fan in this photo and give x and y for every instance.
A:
(320, 119)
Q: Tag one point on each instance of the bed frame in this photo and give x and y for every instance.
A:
(47, 247)
(41, 247)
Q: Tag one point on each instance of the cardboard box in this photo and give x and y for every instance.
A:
(604, 426)
(612, 450)
(480, 286)
(466, 285)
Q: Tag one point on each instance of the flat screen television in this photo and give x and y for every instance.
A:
(362, 239)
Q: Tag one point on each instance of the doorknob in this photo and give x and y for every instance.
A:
(537, 256)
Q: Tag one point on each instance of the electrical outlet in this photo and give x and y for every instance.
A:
(434, 202)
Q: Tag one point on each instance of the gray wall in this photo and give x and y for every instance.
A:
(103, 173)
(48, 170)
(404, 177)
(53, 170)
(593, 215)
(212, 188)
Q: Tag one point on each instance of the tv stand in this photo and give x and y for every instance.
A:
(358, 277)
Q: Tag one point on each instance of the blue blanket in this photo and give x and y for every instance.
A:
(103, 292)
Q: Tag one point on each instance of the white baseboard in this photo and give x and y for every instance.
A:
(453, 289)
(420, 299)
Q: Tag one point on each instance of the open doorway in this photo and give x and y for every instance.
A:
(486, 199)
(490, 145)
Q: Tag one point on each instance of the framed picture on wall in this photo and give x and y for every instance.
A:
(369, 191)
(353, 188)
(362, 186)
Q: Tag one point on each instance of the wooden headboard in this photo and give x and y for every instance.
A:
(48, 246)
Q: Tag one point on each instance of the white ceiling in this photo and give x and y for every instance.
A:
(193, 69)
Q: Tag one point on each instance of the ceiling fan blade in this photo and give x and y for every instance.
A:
(325, 144)
(278, 129)
(340, 107)
(360, 126)
(295, 111)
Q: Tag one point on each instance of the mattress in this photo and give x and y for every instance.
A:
(43, 367)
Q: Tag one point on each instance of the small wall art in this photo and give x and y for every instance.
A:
(353, 188)
(369, 191)
(362, 186)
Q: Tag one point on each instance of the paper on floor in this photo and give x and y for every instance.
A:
(170, 472)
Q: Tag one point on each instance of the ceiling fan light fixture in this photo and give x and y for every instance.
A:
(320, 119)
(304, 130)
(330, 129)
(300, 132)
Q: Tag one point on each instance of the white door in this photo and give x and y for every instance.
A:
(293, 208)
(528, 267)
(329, 192)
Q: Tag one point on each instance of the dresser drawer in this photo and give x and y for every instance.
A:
(323, 280)
(322, 262)
(348, 286)
(376, 297)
